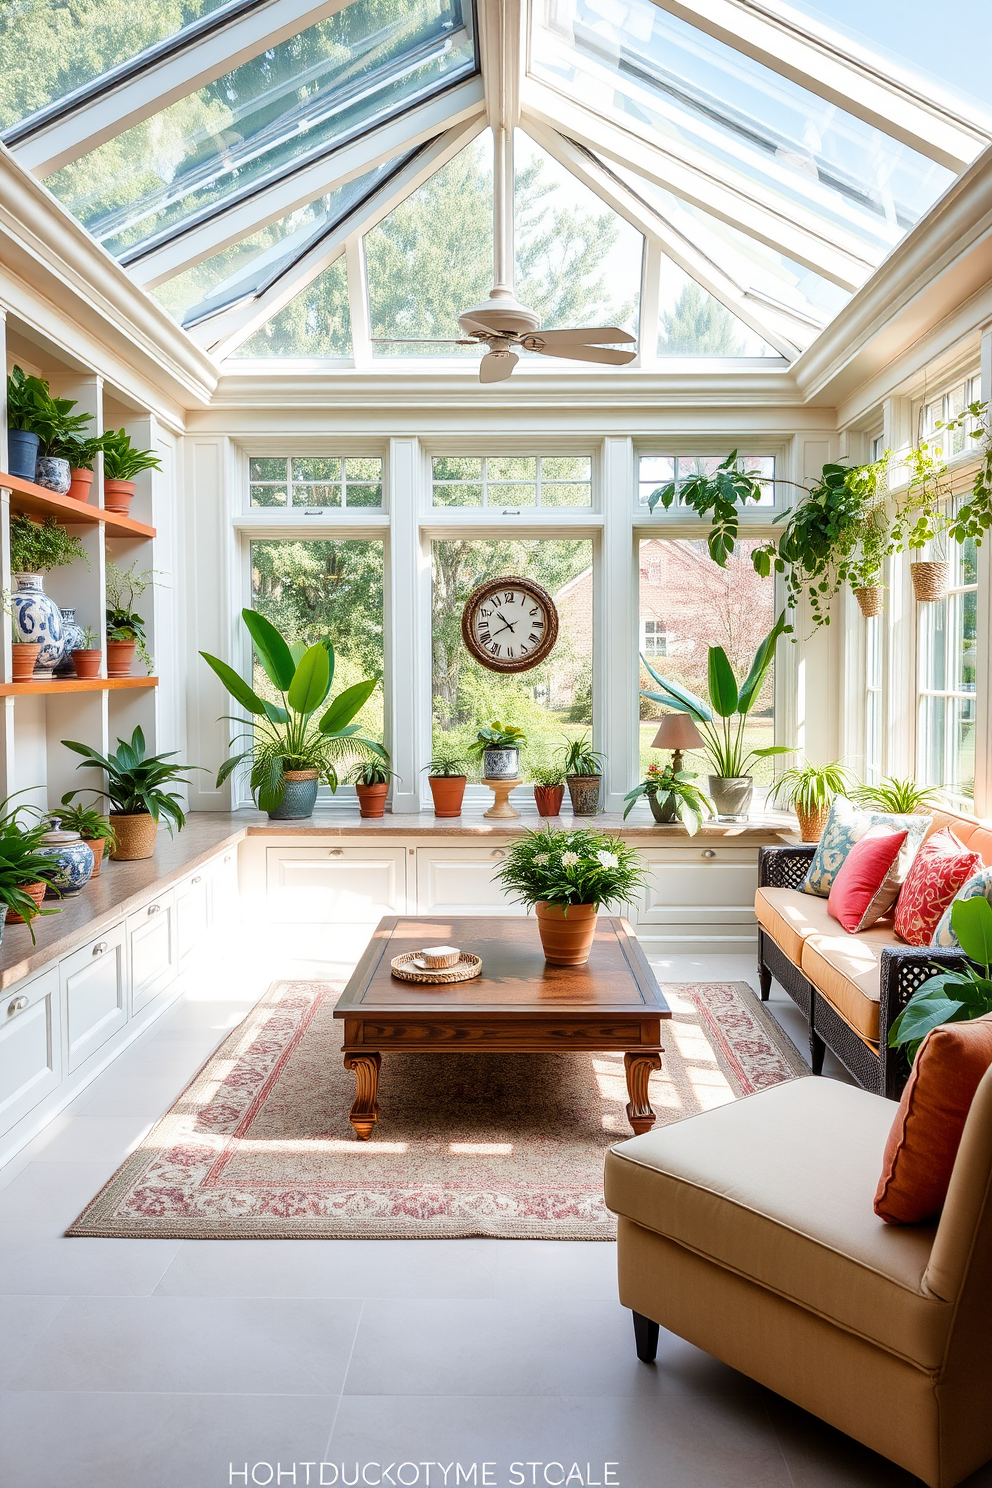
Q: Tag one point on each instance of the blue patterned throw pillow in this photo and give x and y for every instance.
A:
(980, 884)
(846, 825)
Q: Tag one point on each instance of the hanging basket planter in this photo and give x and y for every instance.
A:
(930, 580)
(869, 599)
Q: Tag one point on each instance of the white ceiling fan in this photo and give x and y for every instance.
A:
(501, 322)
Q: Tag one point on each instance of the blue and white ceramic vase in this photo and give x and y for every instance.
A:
(299, 798)
(38, 618)
(52, 472)
(72, 861)
(75, 640)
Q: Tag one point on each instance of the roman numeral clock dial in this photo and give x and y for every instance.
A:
(510, 624)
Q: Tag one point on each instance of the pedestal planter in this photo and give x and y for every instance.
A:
(24, 657)
(731, 796)
(117, 495)
(583, 791)
(566, 937)
(120, 655)
(501, 764)
(299, 798)
(812, 822)
(96, 846)
(72, 863)
(53, 473)
(448, 792)
(869, 600)
(35, 891)
(664, 809)
(80, 484)
(548, 799)
(38, 618)
(135, 836)
(22, 456)
(930, 580)
(87, 663)
(371, 799)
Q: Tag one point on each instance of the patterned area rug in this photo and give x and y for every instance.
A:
(510, 1145)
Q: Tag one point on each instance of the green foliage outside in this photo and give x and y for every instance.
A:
(698, 325)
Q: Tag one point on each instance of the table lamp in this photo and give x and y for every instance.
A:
(677, 732)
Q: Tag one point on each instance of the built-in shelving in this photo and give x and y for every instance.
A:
(25, 496)
(74, 684)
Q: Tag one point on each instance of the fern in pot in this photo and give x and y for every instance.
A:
(549, 789)
(447, 778)
(583, 770)
(371, 781)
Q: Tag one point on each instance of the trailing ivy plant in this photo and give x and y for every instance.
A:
(717, 496)
(974, 519)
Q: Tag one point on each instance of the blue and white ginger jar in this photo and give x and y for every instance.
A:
(72, 862)
(52, 472)
(74, 640)
(38, 618)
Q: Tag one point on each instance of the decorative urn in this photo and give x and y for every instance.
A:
(38, 618)
(72, 861)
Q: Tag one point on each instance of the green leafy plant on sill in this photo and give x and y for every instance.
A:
(372, 772)
(900, 796)
(579, 758)
(90, 823)
(718, 496)
(121, 461)
(672, 787)
(548, 776)
(38, 547)
(284, 735)
(21, 864)
(578, 867)
(124, 586)
(136, 781)
(81, 453)
(810, 787)
(497, 736)
(722, 721)
(445, 764)
(952, 996)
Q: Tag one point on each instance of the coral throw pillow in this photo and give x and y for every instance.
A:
(926, 1133)
(867, 881)
(941, 867)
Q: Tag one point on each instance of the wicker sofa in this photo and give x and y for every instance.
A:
(851, 987)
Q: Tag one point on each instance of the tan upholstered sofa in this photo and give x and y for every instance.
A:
(749, 1231)
(851, 987)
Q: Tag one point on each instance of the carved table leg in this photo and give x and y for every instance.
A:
(638, 1068)
(365, 1111)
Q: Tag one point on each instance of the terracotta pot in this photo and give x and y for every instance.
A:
(448, 792)
(869, 599)
(96, 846)
(120, 655)
(566, 938)
(548, 799)
(35, 891)
(930, 580)
(372, 799)
(583, 792)
(812, 822)
(24, 655)
(87, 663)
(80, 484)
(117, 495)
(135, 836)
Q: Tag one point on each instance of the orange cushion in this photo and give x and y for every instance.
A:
(926, 1133)
(866, 885)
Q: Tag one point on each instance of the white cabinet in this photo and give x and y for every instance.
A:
(702, 894)
(192, 913)
(30, 1045)
(151, 934)
(334, 885)
(94, 994)
(225, 894)
(459, 880)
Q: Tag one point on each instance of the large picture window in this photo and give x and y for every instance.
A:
(947, 676)
(513, 481)
(661, 470)
(316, 482)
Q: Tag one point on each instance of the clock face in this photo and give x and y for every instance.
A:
(510, 624)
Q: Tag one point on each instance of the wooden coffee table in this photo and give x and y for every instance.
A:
(518, 1004)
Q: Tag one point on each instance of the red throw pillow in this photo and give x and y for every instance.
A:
(864, 888)
(941, 867)
(926, 1133)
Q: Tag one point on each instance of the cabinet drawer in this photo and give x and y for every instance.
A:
(225, 897)
(30, 1046)
(459, 880)
(192, 913)
(152, 942)
(94, 994)
(699, 886)
(335, 885)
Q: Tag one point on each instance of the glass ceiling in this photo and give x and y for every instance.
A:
(759, 206)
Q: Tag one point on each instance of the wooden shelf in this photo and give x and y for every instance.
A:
(25, 496)
(74, 684)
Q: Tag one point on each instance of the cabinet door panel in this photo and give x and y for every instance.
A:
(338, 885)
(225, 898)
(687, 887)
(30, 1046)
(459, 880)
(192, 914)
(152, 934)
(94, 994)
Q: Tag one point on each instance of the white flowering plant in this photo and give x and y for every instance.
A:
(578, 867)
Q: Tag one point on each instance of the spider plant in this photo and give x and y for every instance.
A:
(810, 787)
(579, 757)
(900, 796)
(445, 764)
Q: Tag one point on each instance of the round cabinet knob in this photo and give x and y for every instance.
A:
(17, 1006)
(709, 852)
(99, 948)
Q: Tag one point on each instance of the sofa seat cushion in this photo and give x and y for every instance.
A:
(790, 916)
(846, 970)
(778, 1188)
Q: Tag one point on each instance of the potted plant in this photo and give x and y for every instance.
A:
(723, 722)
(81, 454)
(583, 770)
(923, 520)
(28, 408)
(125, 627)
(952, 996)
(809, 790)
(35, 549)
(565, 877)
(498, 747)
(549, 789)
(87, 657)
(290, 752)
(899, 797)
(61, 431)
(371, 778)
(672, 797)
(121, 463)
(447, 779)
(24, 873)
(135, 787)
(93, 827)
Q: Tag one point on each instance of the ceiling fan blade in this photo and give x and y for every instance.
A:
(417, 341)
(497, 366)
(582, 336)
(590, 354)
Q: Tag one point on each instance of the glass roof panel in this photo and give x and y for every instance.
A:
(52, 47)
(751, 126)
(284, 107)
(248, 267)
(315, 324)
(691, 323)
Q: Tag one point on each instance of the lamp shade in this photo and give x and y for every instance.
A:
(677, 731)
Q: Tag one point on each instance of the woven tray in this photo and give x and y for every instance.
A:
(406, 969)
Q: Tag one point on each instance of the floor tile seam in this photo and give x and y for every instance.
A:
(344, 1379)
(176, 1394)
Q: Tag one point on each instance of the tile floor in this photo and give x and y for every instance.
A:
(168, 1364)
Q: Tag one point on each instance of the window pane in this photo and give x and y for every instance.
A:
(502, 493)
(267, 470)
(363, 470)
(553, 700)
(457, 494)
(317, 323)
(268, 495)
(565, 494)
(446, 467)
(567, 467)
(657, 471)
(692, 323)
(364, 495)
(317, 495)
(688, 604)
(323, 588)
(947, 681)
(513, 467)
(316, 470)
(269, 115)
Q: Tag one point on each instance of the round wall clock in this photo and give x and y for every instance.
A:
(510, 624)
